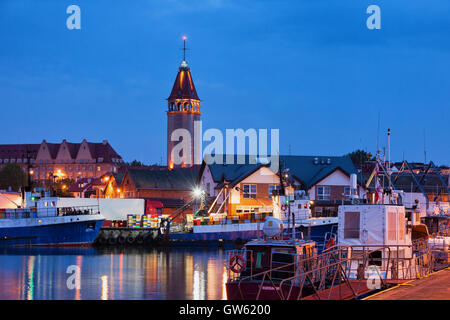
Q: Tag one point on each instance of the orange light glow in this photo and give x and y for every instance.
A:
(181, 79)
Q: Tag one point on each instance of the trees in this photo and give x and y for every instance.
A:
(136, 163)
(360, 157)
(12, 175)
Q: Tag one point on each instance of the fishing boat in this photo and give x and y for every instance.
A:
(213, 227)
(377, 246)
(257, 271)
(43, 223)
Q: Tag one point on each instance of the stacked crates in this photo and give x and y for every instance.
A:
(134, 221)
(146, 221)
(154, 222)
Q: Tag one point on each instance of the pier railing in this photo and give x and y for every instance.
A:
(340, 272)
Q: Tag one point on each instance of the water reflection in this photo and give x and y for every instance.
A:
(117, 273)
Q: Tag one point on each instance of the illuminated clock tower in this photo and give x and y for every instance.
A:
(183, 111)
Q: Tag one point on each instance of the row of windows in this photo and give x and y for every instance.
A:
(324, 193)
(249, 190)
(99, 160)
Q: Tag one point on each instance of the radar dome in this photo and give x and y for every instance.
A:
(272, 227)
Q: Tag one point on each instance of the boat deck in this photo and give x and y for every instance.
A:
(433, 287)
(344, 292)
(341, 292)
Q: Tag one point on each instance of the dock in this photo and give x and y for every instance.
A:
(435, 286)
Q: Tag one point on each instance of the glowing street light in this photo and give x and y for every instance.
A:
(198, 192)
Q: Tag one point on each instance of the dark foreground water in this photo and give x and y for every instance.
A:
(126, 273)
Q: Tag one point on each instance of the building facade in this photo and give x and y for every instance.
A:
(62, 160)
(239, 188)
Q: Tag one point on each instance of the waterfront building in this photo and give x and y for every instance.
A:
(62, 160)
(89, 187)
(172, 188)
(326, 181)
(241, 188)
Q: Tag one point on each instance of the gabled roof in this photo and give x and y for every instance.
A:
(184, 87)
(19, 151)
(118, 177)
(85, 184)
(431, 182)
(73, 149)
(103, 150)
(231, 173)
(303, 168)
(53, 149)
(312, 169)
(163, 179)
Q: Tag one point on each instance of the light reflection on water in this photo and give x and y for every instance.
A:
(117, 273)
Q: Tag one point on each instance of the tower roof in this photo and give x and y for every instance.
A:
(184, 87)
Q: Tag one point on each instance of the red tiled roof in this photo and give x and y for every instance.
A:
(73, 149)
(18, 151)
(103, 150)
(87, 184)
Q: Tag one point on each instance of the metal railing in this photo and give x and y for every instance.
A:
(340, 266)
(45, 212)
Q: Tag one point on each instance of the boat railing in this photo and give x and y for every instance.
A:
(46, 212)
(360, 268)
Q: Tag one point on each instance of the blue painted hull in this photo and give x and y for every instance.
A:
(317, 234)
(215, 236)
(71, 233)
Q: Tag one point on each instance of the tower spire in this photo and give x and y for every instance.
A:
(184, 48)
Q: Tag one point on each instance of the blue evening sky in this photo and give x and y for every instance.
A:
(308, 67)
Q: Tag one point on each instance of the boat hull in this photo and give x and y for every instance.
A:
(249, 291)
(59, 233)
(242, 233)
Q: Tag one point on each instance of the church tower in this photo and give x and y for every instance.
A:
(183, 111)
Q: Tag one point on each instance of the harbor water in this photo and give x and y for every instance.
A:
(112, 273)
